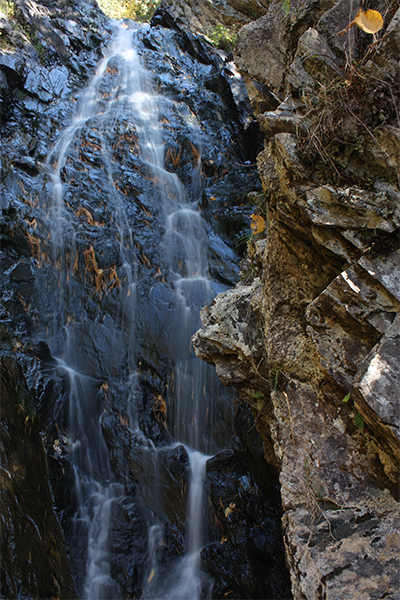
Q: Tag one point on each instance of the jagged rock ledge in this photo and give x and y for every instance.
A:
(312, 343)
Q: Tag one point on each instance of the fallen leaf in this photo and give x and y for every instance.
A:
(370, 21)
(257, 224)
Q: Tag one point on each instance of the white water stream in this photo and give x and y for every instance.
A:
(184, 251)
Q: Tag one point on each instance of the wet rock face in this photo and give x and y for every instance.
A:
(76, 301)
(329, 297)
(247, 559)
(33, 558)
(128, 545)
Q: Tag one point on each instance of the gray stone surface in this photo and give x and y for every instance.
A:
(260, 49)
(329, 312)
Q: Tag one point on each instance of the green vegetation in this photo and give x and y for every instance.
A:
(222, 37)
(8, 8)
(41, 50)
(258, 397)
(277, 378)
(138, 10)
(359, 421)
(286, 7)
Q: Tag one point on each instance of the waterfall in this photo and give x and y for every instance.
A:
(186, 581)
(192, 385)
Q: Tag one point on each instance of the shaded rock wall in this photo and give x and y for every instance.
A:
(315, 335)
(33, 558)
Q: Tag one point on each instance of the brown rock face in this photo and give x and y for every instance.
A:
(318, 333)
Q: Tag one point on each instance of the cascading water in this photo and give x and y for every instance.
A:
(192, 385)
(94, 486)
(187, 581)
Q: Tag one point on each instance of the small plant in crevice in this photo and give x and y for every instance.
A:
(359, 421)
(358, 418)
(41, 51)
(222, 37)
(259, 400)
(243, 239)
(286, 7)
(339, 124)
(277, 378)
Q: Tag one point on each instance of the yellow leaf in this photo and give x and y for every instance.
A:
(257, 224)
(228, 511)
(152, 573)
(370, 21)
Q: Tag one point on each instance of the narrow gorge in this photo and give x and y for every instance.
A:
(199, 301)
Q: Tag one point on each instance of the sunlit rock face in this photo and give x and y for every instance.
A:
(207, 18)
(327, 292)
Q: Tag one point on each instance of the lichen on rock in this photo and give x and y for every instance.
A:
(327, 292)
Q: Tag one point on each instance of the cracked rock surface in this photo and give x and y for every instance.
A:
(327, 302)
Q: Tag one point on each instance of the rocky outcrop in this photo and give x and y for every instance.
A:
(312, 343)
(205, 17)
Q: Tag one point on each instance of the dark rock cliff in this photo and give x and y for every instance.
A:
(33, 557)
(69, 312)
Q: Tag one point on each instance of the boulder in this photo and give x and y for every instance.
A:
(205, 17)
(260, 50)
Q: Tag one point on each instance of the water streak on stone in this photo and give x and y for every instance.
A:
(192, 384)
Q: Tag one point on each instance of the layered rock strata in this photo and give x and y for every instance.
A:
(312, 343)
